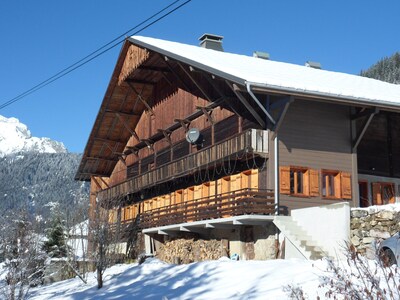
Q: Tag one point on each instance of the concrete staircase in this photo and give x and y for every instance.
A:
(299, 237)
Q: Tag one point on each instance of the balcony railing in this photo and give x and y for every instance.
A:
(240, 202)
(250, 141)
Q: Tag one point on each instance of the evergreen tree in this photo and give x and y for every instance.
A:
(56, 245)
(38, 181)
(387, 69)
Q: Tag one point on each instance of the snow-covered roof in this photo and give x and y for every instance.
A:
(279, 76)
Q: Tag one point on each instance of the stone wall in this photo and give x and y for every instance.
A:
(370, 225)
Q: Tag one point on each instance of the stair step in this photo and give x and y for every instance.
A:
(299, 237)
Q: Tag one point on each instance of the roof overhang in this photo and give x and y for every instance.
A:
(112, 128)
(191, 62)
(282, 78)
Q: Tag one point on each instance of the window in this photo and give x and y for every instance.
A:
(299, 181)
(336, 184)
(298, 178)
(383, 193)
(331, 184)
(363, 192)
(305, 182)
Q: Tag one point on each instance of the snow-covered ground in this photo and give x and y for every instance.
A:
(222, 279)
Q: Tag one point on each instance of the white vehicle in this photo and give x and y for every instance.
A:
(390, 250)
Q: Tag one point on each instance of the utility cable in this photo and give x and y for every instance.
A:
(88, 58)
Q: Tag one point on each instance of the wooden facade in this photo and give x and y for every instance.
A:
(143, 169)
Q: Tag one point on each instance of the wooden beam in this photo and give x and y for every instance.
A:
(195, 83)
(96, 182)
(89, 174)
(207, 113)
(106, 140)
(166, 134)
(244, 101)
(257, 101)
(109, 147)
(279, 103)
(131, 131)
(140, 81)
(125, 114)
(121, 159)
(104, 182)
(282, 115)
(166, 79)
(141, 99)
(149, 143)
(156, 69)
(224, 98)
(363, 113)
(178, 124)
(176, 74)
(100, 158)
(131, 150)
(364, 129)
(184, 123)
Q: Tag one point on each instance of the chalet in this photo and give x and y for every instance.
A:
(195, 140)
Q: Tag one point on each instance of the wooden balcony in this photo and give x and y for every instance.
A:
(253, 141)
(236, 203)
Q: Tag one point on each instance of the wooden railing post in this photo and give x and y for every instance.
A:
(233, 203)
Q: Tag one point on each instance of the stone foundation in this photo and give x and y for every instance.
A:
(370, 225)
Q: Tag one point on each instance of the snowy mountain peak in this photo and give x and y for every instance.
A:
(15, 137)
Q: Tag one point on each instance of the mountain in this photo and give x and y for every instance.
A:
(387, 69)
(15, 137)
(37, 174)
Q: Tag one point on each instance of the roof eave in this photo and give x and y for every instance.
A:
(323, 96)
(111, 85)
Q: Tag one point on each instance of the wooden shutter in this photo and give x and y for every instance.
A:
(285, 180)
(123, 212)
(306, 182)
(314, 183)
(376, 194)
(254, 179)
(345, 180)
(337, 185)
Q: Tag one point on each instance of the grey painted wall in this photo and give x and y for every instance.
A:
(316, 135)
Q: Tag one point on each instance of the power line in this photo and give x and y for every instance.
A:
(100, 51)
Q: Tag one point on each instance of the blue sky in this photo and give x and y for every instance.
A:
(39, 38)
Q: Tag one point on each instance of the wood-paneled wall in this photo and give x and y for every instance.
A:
(178, 105)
